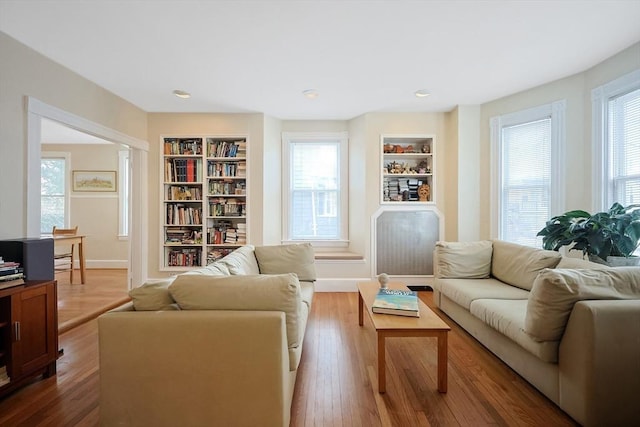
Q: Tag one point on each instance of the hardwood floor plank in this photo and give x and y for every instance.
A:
(336, 383)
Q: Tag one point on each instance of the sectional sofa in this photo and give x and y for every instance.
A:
(568, 326)
(220, 345)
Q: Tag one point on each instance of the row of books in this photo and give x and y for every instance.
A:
(227, 187)
(395, 189)
(397, 302)
(227, 207)
(182, 146)
(182, 170)
(237, 169)
(179, 214)
(217, 253)
(4, 376)
(224, 148)
(185, 257)
(183, 192)
(183, 236)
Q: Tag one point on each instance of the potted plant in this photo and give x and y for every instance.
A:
(605, 236)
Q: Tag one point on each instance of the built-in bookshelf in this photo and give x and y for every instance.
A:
(408, 174)
(204, 199)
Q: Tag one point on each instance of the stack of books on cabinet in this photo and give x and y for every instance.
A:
(205, 199)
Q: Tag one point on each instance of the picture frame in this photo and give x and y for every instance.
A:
(94, 181)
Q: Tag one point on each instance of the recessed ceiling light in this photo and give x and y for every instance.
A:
(181, 94)
(422, 93)
(311, 93)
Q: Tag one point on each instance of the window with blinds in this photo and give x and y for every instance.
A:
(315, 190)
(53, 191)
(624, 147)
(526, 181)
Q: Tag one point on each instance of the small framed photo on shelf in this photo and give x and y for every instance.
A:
(95, 181)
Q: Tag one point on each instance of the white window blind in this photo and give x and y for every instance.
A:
(314, 192)
(624, 137)
(526, 181)
(53, 193)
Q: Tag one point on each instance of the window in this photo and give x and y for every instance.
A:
(123, 193)
(616, 125)
(527, 186)
(315, 188)
(54, 194)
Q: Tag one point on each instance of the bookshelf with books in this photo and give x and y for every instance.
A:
(407, 164)
(226, 159)
(204, 199)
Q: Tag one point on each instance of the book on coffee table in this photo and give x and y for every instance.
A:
(398, 302)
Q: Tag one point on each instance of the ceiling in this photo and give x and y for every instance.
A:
(361, 56)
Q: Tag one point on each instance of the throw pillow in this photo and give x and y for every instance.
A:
(153, 295)
(555, 291)
(463, 260)
(241, 261)
(214, 269)
(261, 292)
(518, 265)
(279, 259)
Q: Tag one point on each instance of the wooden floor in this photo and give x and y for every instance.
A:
(336, 383)
(103, 289)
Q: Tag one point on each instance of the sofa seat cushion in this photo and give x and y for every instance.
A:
(295, 353)
(463, 260)
(153, 295)
(295, 258)
(507, 317)
(555, 291)
(464, 291)
(519, 265)
(242, 261)
(260, 292)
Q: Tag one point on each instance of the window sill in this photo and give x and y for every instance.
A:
(338, 256)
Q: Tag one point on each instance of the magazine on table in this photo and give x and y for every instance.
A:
(397, 302)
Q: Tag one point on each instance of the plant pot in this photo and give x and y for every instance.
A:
(617, 261)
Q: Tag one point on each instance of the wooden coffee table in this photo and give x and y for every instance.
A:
(389, 325)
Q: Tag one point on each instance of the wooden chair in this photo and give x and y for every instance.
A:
(63, 257)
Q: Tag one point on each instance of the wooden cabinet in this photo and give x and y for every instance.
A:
(204, 199)
(408, 163)
(28, 332)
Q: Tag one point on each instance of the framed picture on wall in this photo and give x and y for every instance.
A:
(98, 181)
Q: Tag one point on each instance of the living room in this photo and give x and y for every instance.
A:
(463, 132)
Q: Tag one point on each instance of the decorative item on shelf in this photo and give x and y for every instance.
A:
(409, 149)
(424, 192)
(605, 237)
(387, 148)
(425, 149)
(398, 149)
(383, 279)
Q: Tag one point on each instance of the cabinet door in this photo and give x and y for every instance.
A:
(34, 329)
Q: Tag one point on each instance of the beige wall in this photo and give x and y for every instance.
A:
(27, 73)
(96, 214)
(576, 90)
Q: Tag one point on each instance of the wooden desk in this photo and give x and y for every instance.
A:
(389, 325)
(69, 240)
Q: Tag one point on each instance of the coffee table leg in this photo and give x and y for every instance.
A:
(382, 379)
(442, 361)
(360, 310)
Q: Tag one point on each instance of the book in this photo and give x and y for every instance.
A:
(398, 302)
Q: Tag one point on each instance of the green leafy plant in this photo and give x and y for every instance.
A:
(612, 233)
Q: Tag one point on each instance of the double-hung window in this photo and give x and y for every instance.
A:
(54, 191)
(315, 188)
(526, 180)
(616, 136)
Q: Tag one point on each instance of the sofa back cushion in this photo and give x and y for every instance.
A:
(241, 261)
(518, 265)
(574, 263)
(260, 293)
(280, 259)
(463, 260)
(153, 295)
(216, 268)
(555, 291)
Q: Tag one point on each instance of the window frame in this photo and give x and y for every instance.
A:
(602, 185)
(44, 155)
(555, 111)
(342, 138)
(124, 180)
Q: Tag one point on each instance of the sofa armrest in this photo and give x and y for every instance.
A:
(599, 361)
(169, 368)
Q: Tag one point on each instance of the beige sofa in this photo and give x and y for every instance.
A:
(218, 346)
(568, 326)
